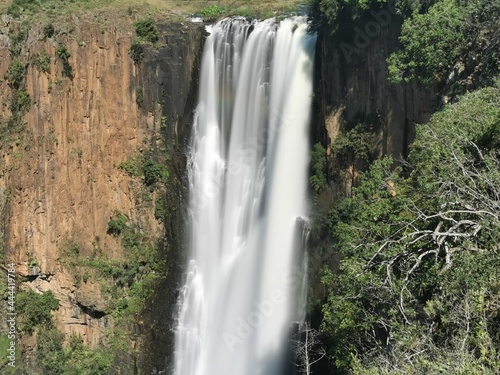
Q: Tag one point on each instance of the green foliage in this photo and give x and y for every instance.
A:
(212, 11)
(136, 51)
(132, 165)
(146, 168)
(49, 351)
(117, 224)
(128, 283)
(431, 42)
(42, 62)
(318, 168)
(32, 262)
(139, 96)
(420, 261)
(154, 172)
(160, 210)
(16, 73)
(17, 39)
(20, 103)
(4, 353)
(49, 30)
(35, 309)
(354, 145)
(450, 31)
(76, 359)
(19, 7)
(71, 249)
(146, 30)
(64, 55)
(328, 14)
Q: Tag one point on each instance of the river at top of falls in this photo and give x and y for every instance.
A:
(248, 175)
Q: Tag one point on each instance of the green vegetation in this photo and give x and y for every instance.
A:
(20, 102)
(5, 352)
(17, 39)
(328, 14)
(19, 7)
(34, 309)
(436, 34)
(212, 11)
(146, 168)
(49, 10)
(154, 172)
(132, 165)
(352, 148)
(117, 224)
(146, 30)
(450, 31)
(15, 73)
(318, 178)
(139, 96)
(160, 210)
(49, 30)
(54, 358)
(42, 62)
(128, 283)
(137, 51)
(64, 55)
(420, 256)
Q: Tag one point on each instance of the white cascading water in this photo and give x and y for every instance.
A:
(248, 174)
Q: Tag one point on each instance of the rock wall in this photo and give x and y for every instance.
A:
(352, 85)
(60, 178)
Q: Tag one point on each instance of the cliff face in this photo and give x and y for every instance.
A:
(352, 85)
(60, 175)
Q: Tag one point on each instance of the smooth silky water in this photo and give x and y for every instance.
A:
(248, 175)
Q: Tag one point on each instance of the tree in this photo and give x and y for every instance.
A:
(420, 254)
(307, 348)
(449, 32)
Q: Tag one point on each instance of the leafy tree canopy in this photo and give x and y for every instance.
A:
(418, 286)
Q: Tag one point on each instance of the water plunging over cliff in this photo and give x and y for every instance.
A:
(248, 174)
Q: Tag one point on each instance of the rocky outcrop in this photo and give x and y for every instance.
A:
(60, 178)
(352, 85)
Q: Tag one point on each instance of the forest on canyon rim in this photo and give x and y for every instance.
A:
(406, 245)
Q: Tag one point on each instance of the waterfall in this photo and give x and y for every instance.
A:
(248, 173)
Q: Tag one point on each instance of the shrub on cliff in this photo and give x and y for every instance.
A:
(35, 309)
(145, 168)
(136, 51)
(42, 62)
(20, 103)
(146, 30)
(64, 55)
(16, 73)
(74, 359)
(117, 224)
